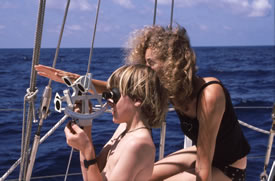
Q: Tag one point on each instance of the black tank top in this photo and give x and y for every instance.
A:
(231, 145)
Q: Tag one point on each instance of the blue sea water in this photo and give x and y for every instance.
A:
(247, 72)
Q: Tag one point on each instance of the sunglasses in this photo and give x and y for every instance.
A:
(112, 96)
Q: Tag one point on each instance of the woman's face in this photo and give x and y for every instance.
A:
(153, 61)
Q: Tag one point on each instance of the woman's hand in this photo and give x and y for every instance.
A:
(54, 74)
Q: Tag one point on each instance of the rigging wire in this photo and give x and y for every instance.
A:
(68, 166)
(60, 38)
(155, 12)
(93, 40)
(172, 13)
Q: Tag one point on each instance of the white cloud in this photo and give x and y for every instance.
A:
(253, 8)
(82, 5)
(124, 3)
(183, 3)
(250, 8)
(260, 8)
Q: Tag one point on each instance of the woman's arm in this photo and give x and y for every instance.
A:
(56, 75)
(210, 111)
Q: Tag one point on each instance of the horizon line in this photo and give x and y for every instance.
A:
(202, 46)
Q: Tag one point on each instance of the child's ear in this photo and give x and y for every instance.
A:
(137, 103)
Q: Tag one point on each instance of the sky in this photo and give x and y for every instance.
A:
(208, 22)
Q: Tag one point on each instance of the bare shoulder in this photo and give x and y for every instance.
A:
(212, 101)
(214, 92)
(141, 143)
(141, 148)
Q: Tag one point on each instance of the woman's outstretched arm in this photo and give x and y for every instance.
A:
(57, 74)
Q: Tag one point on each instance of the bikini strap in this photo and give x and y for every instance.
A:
(201, 89)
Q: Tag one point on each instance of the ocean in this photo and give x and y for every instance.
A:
(247, 72)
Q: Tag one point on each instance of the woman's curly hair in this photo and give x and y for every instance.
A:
(172, 46)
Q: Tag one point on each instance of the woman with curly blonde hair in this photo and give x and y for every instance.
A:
(203, 106)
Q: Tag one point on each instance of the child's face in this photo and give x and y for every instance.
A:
(124, 110)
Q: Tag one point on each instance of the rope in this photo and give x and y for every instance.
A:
(93, 40)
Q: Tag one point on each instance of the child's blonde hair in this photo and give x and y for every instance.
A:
(141, 83)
